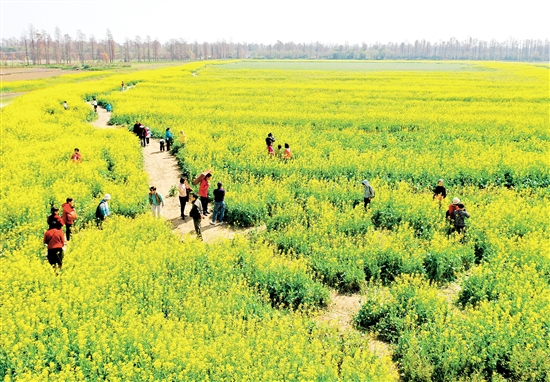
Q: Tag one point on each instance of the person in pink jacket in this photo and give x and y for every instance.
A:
(203, 193)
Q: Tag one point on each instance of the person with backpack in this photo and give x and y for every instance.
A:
(156, 201)
(459, 216)
(102, 211)
(54, 219)
(54, 240)
(219, 204)
(368, 193)
(196, 214)
(69, 216)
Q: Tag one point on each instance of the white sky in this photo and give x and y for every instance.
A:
(267, 21)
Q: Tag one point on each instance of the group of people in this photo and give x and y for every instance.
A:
(456, 214)
(54, 238)
(286, 154)
(199, 203)
(143, 133)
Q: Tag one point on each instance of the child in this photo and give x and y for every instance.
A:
(196, 214)
(161, 142)
(459, 216)
(287, 154)
(279, 153)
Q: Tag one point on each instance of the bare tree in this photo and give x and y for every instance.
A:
(80, 45)
(148, 41)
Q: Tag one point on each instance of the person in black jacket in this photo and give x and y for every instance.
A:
(196, 214)
(440, 192)
(459, 218)
(269, 142)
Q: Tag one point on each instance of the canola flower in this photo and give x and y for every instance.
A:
(132, 301)
(453, 308)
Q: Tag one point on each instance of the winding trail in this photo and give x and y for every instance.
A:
(164, 173)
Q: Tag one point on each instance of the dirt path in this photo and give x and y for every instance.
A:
(164, 173)
(341, 311)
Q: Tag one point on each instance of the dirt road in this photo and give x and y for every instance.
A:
(164, 173)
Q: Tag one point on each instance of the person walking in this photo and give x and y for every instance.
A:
(68, 216)
(54, 240)
(219, 204)
(137, 128)
(147, 134)
(169, 138)
(102, 211)
(143, 137)
(459, 217)
(183, 191)
(368, 193)
(156, 201)
(452, 208)
(196, 214)
(269, 142)
(94, 102)
(203, 193)
(76, 157)
(65, 105)
(54, 219)
(287, 155)
(440, 192)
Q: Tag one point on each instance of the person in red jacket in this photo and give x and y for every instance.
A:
(68, 217)
(452, 208)
(53, 238)
(203, 193)
(54, 219)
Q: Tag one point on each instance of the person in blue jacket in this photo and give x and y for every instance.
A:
(169, 139)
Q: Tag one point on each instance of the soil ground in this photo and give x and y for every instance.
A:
(21, 74)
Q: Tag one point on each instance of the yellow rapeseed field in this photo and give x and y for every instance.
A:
(133, 302)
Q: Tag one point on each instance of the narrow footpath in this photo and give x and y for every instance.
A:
(164, 173)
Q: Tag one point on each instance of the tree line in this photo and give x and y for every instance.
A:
(36, 47)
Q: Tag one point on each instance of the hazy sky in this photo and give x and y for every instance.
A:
(267, 21)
